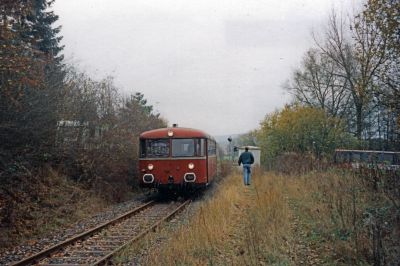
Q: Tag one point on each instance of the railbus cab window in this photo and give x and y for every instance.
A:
(183, 147)
(154, 148)
(142, 148)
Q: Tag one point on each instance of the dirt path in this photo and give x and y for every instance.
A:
(303, 252)
(235, 249)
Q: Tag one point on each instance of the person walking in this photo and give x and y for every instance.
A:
(247, 159)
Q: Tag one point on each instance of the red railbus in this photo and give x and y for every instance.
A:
(177, 159)
(388, 160)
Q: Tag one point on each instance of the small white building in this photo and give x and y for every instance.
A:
(256, 151)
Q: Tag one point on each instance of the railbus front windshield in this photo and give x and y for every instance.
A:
(159, 148)
(154, 148)
(183, 148)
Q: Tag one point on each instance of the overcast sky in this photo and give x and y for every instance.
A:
(216, 65)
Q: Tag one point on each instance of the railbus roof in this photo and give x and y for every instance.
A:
(368, 151)
(178, 132)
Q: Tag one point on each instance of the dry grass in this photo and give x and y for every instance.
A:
(239, 225)
(344, 219)
(323, 212)
(329, 217)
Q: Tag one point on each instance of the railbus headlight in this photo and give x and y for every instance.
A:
(150, 166)
(191, 165)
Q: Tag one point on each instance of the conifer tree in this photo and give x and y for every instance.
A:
(31, 76)
(45, 35)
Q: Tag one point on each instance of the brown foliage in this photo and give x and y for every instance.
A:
(21, 64)
(33, 204)
(99, 139)
(296, 163)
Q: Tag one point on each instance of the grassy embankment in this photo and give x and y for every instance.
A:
(312, 219)
(38, 205)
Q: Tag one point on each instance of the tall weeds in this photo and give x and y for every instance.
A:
(354, 220)
(239, 225)
(268, 223)
(333, 217)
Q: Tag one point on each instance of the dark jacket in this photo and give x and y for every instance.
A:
(246, 158)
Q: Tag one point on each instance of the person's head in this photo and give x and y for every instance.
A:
(246, 148)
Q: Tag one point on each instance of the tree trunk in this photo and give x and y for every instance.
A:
(359, 121)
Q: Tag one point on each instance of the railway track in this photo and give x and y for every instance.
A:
(98, 245)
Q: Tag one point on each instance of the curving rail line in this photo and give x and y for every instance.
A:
(98, 245)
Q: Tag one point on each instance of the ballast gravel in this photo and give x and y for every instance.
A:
(19, 252)
(140, 256)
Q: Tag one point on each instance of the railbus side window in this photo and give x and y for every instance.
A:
(396, 159)
(339, 157)
(157, 148)
(366, 157)
(388, 158)
(380, 157)
(345, 157)
(355, 157)
(349, 157)
(200, 147)
(211, 147)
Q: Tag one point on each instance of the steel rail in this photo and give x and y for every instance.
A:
(107, 257)
(45, 253)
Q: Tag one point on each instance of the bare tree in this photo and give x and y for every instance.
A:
(353, 73)
(316, 84)
(356, 59)
(382, 18)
